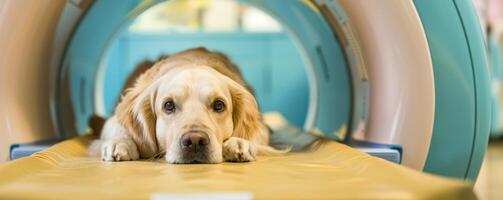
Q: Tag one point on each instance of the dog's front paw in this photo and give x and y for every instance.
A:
(238, 150)
(121, 150)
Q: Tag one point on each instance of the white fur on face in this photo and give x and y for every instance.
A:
(193, 91)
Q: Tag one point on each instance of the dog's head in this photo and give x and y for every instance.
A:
(187, 113)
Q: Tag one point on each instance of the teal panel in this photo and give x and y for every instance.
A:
(115, 73)
(461, 83)
(264, 58)
(320, 50)
(480, 65)
(289, 81)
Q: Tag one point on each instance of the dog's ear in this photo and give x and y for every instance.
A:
(245, 113)
(136, 113)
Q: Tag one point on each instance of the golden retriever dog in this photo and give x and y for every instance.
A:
(192, 107)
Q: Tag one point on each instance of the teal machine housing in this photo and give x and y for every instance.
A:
(322, 55)
(462, 113)
(462, 87)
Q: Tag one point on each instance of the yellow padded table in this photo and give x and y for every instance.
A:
(333, 171)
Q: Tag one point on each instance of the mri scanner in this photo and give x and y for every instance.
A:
(411, 76)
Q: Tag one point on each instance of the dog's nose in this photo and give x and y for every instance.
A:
(194, 141)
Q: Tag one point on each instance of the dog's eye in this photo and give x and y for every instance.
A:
(169, 106)
(218, 106)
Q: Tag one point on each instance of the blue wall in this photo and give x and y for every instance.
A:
(495, 64)
(269, 61)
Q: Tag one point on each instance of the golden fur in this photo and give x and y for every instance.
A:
(135, 114)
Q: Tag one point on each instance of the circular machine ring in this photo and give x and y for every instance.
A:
(323, 53)
(26, 41)
(400, 73)
(459, 136)
(462, 87)
(333, 96)
(89, 46)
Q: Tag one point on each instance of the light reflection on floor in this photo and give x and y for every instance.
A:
(489, 184)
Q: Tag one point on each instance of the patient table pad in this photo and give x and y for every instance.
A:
(333, 171)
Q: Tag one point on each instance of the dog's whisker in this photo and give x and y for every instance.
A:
(157, 156)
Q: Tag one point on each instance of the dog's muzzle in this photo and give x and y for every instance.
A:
(194, 147)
